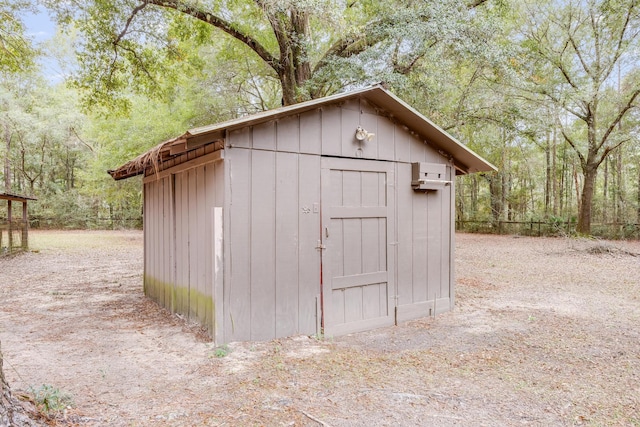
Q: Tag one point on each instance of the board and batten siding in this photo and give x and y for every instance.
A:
(266, 190)
(272, 231)
(272, 225)
(179, 245)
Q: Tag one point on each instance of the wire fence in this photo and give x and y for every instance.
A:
(89, 223)
(13, 237)
(610, 230)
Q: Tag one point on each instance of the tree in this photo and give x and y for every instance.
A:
(16, 51)
(570, 58)
(312, 47)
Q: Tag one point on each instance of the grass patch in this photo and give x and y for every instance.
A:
(50, 400)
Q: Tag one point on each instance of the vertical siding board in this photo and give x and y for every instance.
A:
(403, 140)
(145, 234)
(371, 188)
(418, 150)
(335, 196)
(370, 240)
(151, 205)
(431, 155)
(370, 148)
(309, 234)
(337, 307)
(203, 217)
(331, 131)
(372, 305)
(288, 134)
(351, 147)
(286, 240)
(311, 132)
(385, 139)
(449, 264)
(448, 212)
(352, 244)
(185, 281)
(263, 220)
(352, 188)
(389, 226)
(404, 223)
(169, 248)
(193, 246)
(337, 247)
(264, 136)
(179, 239)
(157, 212)
(148, 237)
(353, 304)
(220, 248)
(434, 251)
(420, 236)
(210, 194)
(240, 138)
(237, 321)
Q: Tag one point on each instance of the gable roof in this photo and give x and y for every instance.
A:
(466, 160)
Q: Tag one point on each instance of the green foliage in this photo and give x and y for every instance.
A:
(16, 50)
(50, 399)
(221, 351)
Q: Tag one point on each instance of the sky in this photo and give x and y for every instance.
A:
(39, 25)
(40, 28)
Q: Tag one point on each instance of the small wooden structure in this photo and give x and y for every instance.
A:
(330, 216)
(14, 233)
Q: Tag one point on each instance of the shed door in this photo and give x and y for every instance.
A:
(357, 262)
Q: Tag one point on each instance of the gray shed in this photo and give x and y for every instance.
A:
(330, 216)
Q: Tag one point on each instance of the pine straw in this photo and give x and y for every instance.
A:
(151, 158)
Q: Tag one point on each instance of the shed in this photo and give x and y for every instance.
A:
(14, 232)
(330, 216)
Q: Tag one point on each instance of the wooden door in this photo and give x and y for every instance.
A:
(357, 263)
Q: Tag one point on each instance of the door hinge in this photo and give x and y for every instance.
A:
(320, 245)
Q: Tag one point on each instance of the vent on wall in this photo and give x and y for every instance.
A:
(428, 176)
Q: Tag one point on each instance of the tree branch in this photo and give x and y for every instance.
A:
(124, 31)
(222, 24)
(628, 105)
(566, 137)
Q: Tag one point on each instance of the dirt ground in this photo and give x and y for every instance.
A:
(546, 332)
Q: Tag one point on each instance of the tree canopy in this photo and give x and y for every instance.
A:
(313, 48)
(548, 91)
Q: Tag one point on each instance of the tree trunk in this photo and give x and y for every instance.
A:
(584, 214)
(638, 198)
(12, 414)
(7, 163)
(295, 68)
(548, 177)
(6, 411)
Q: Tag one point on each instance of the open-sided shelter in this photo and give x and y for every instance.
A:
(14, 232)
(330, 216)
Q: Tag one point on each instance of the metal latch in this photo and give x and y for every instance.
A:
(320, 245)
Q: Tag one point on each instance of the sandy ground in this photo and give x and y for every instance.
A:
(546, 332)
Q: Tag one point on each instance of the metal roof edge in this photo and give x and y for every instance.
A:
(466, 160)
(415, 120)
(378, 95)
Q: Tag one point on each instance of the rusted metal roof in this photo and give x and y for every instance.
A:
(465, 159)
(15, 197)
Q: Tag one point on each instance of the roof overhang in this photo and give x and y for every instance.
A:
(15, 197)
(465, 160)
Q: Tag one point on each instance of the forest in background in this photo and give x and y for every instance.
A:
(548, 91)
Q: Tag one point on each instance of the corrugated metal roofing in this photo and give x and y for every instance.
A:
(466, 160)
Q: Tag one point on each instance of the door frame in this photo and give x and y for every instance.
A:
(357, 165)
